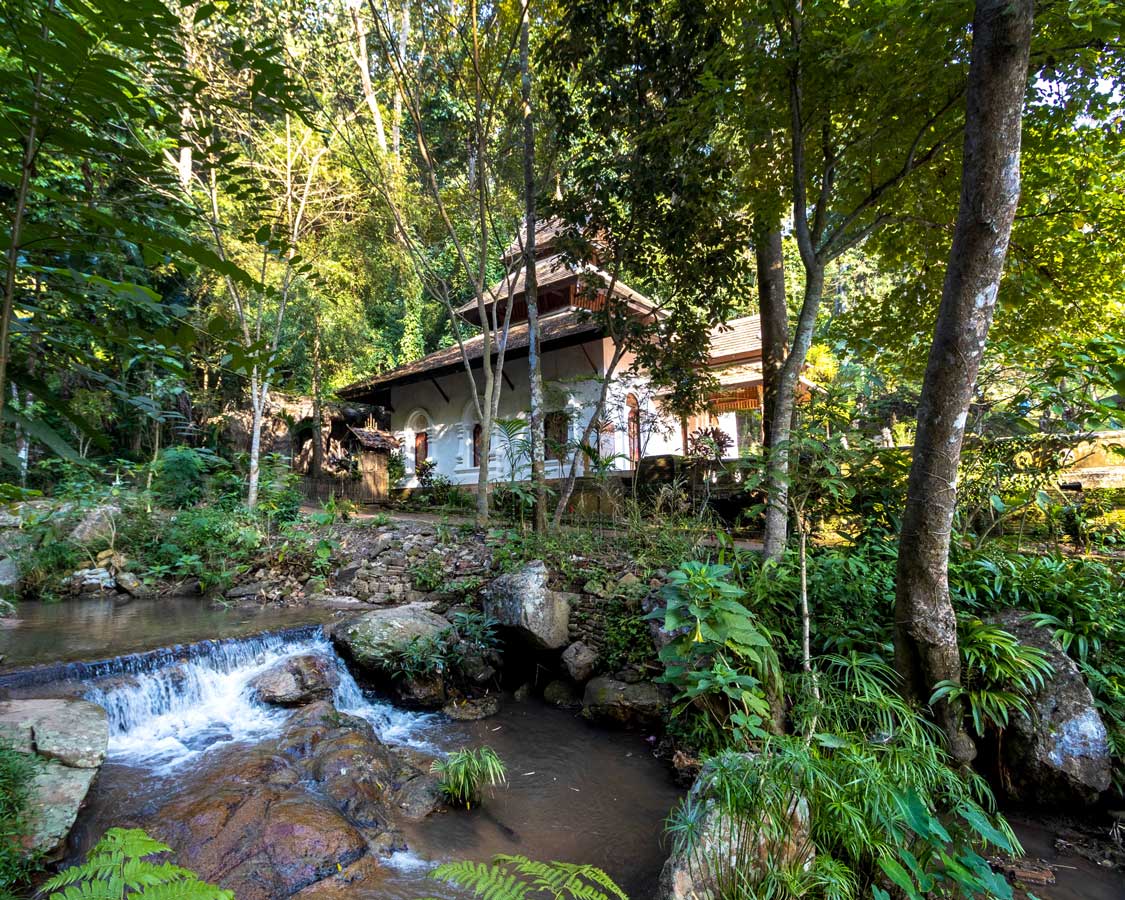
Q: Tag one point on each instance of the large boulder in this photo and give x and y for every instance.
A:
(639, 705)
(367, 638)
(726, 848)
(522, 600)
(296, 681)
(1061, 754)
(580, 662)
(99, 524)
(9, 574)
(67, 740)
(308, 814)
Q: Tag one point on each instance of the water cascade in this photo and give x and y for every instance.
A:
(164, 714)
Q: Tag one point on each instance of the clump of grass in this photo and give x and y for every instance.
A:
(464, 772)
(16, 772)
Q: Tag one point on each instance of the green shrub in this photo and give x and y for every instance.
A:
(119, 866)
(16, 772)
(418, 658)
(722, 663)
(884, 804)
(463, 773)
(999, 675)
(429, 574)
(180, 476)
(626, 639)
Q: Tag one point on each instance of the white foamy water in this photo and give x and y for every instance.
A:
(164, 718)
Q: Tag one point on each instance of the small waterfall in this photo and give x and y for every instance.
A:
(163, 716)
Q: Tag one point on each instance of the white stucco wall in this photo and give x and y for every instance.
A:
(571, 383)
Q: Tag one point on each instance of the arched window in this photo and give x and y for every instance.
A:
(634, 428)
(476, 445)
(421, 448)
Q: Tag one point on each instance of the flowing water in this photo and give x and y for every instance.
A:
(108, 627)
(575, 793)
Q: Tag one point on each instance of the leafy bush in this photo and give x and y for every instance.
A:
(118, 867)
(626, 639)
(884, 805)
(396, 468)
(180, 476)
(429, 574)
(999, 675)
(519, 878)
(722, 663)
(476, 631)
(16, 772)
(464, 772)
(415, 659)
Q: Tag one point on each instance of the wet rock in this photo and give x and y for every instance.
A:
(477, 667)
(471, 709)
(132, 585)
(523, 693)
(561, 694)
(90, 581)
(580, 661)
(365, 639)
(297, 680)
(99, 524)
(1061, 755)
(638, 705)
(303, 815)
(73, 732)
(523, 601)
(9, 574)
(260, 841)
(68, 741)
(242, 591)
(418, 797)
(725, 847)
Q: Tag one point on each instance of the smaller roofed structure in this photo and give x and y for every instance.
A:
(375, 439)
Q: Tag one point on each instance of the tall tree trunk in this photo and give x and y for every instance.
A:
(926, 650)
(317, 463)
(773, 315)
(531, 287)
(363, 62)
(781, 421)
(403, 39)
(257, 406)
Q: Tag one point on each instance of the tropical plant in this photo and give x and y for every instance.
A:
(423, 656)
(180, 475)
(463, 774)
(16, 772)
(721, 662)
(868, 789)
(520, 878)
(999, 675)
(118, 867)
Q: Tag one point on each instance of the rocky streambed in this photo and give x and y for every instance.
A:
(269, 770)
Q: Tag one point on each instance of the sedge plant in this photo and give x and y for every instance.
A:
(463, 774)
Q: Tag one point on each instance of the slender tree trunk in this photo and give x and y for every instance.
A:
(257, 403)
(363, 62)
(318, 427)
(403, 39)
(926, 650)
(781, 422)
(531, 287)
(773, 315)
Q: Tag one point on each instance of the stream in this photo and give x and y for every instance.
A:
(178, 699)
(575, 793)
